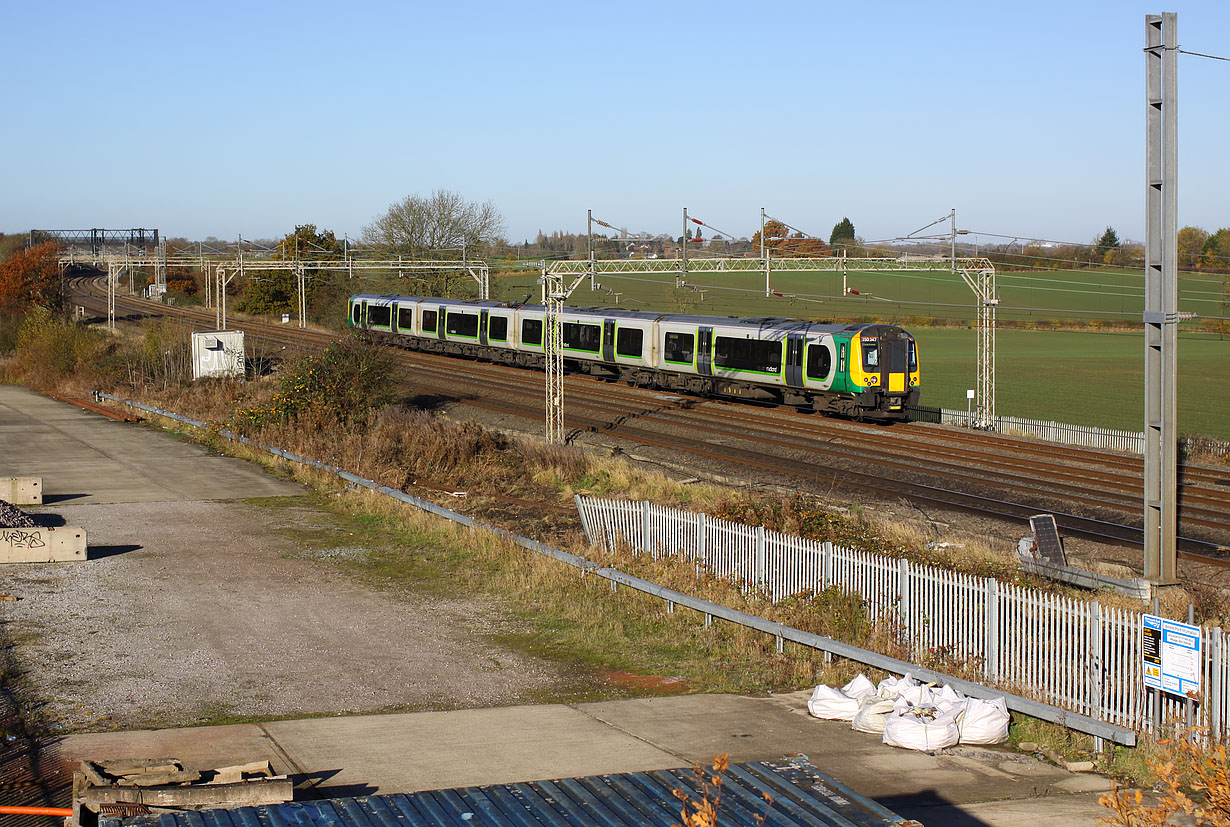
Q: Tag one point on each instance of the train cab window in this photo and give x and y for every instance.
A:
(531, 332)
(759, 355)
(678, 347)
(819, 362)
(629, 342)
(586, 337)
(429, 321)
(405, 318)
(379, 315)
(912, 358)
(462, 324)
(871, 355)
(497, 329)
(356, 313)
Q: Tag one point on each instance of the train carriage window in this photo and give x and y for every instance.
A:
(379, 315)
(586, 337)
(356, 313)
(912, 358)
(531, 332)
(678, 347)
(405, 318)
(819, 362)
(497, 329)
(462, 324)
(629, 342)
(871, 355)
(429, 321)
(759, 355)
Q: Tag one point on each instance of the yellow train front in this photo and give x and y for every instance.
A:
(881, 372)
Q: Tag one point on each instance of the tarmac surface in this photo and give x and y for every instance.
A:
(85, 459)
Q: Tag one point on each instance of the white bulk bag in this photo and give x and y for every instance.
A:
(916, 695)
(946, 694)
(859, 687)
(984, 722)
(871, 715)
(832, 704)
(924, 728)
(892, 687)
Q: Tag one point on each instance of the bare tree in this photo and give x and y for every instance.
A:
(443, 221)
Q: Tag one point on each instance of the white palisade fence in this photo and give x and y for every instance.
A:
(1074, 654)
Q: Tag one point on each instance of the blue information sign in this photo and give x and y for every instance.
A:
(1171, 655)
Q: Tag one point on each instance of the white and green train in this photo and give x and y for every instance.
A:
(861, 370)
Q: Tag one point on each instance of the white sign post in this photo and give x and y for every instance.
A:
(1172, 656)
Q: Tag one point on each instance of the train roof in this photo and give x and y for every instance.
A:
(756, 323)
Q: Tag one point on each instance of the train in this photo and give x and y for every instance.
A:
(862, 371)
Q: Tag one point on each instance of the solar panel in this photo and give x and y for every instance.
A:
(1046, 536)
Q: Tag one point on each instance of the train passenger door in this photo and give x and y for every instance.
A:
(608, 340)
(482, 326)
(794, 360)
(896, 364)
(441, 323)
(704, 351)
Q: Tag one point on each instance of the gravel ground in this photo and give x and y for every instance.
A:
(206, 611)
(13, 517)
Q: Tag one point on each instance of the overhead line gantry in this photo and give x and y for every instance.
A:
(561, 278)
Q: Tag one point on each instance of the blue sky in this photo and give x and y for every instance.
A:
(228, 118)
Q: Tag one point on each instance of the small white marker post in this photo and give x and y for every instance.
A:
(969, 405)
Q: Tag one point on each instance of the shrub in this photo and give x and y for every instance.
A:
(339, 385)
(50, 349)
(1191, 779)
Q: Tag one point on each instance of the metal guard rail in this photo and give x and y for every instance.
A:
(1027, 706)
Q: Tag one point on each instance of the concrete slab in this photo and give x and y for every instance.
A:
(697, 727)
(86, 458)
(199, 747)
(1042, 811)
(436, 750)
(411, 752)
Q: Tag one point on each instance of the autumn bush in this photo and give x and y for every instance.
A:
(50, 350)
(1192, 779)
(31, 277)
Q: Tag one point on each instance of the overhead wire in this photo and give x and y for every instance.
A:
(1199, 54)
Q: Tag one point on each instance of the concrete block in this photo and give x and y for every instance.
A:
(42, 545)
(22, 490)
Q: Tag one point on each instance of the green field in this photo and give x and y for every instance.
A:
(1072, 295)
(1078, 377)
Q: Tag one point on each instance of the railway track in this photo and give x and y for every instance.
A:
(986, 474)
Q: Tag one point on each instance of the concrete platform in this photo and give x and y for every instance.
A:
(86, 458)
(369, 754)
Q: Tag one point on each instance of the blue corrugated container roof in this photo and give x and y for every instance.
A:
(802, 797)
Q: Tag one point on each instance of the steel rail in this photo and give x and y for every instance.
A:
(1085, 526)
